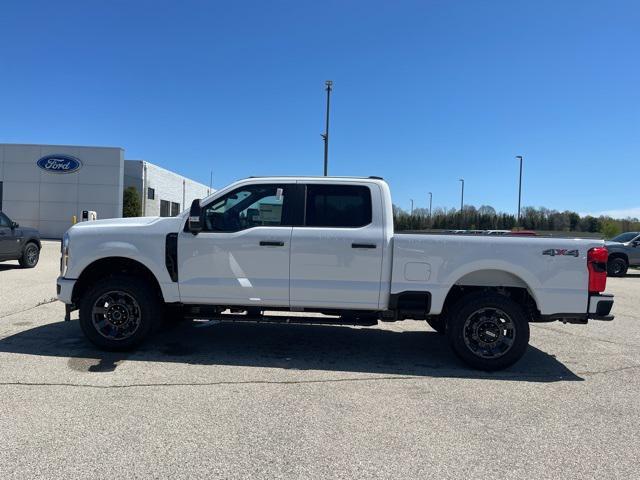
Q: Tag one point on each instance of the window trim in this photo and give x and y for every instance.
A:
(306, 197)
(2, 215)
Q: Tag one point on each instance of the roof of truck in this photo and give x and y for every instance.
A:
(318, 177)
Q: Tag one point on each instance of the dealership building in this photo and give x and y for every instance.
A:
(47, 186)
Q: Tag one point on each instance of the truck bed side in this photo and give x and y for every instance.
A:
(557, 282)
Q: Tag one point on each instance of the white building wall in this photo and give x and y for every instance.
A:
(47, 201)
(167, 186)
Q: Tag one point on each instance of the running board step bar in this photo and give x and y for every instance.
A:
(231, 317)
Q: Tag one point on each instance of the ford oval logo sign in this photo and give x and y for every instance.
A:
(59, 163)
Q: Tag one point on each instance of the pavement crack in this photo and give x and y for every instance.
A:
(510, 376)
(206, 384)
(33, 307)
(595, 339)
(611, 370)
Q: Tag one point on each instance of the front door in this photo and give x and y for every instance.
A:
(241, 257)
(634, 251)
(9, 245)
(336, 256)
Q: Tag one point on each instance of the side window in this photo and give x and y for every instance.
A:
(246, 207)
(338, 206)
(4, 220)
(175, 209)
(151, 193)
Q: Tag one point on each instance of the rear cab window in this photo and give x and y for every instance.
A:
(341, 206)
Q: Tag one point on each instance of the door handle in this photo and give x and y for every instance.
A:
(264, 243)
(363, 245)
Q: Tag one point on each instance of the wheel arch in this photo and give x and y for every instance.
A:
(32, 240)
(499, 281)
(107, 266)
(622, 255)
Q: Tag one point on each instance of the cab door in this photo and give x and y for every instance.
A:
(336, 255)
(9, 241)
(241, 257)
(634, 251)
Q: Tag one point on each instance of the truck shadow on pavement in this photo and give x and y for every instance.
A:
(8, 266)
(295, 347)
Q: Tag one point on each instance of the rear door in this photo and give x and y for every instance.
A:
(336, 255)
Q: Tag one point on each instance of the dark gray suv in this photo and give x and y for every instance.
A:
(18, 243)
(624, 252)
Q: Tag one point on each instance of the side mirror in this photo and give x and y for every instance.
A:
(195, 217)
(636, 243)
(14, 225)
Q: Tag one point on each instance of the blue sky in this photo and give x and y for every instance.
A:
(425, 92)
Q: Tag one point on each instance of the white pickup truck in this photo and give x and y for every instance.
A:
(324, 245)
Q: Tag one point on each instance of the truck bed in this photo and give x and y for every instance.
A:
(554, 270)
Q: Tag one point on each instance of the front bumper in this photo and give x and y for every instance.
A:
(600, 307)
(64, 289)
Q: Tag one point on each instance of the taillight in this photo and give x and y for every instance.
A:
(597, 264)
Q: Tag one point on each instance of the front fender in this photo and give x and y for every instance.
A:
(151, 256)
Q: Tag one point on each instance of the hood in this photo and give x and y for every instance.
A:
(609, 243)
(29, 231)
(130, 224)
(120, 222)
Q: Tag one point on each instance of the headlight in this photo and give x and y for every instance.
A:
(64, 254)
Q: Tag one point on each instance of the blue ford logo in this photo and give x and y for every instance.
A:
(59, 163)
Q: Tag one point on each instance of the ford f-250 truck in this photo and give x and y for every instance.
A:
(327, 245)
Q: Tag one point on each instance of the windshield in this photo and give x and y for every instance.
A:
(625, 237)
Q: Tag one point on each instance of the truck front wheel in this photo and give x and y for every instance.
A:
(439, 324)
(118, 312)
(617, 267)
(488, 331)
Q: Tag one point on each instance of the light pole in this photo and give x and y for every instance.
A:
(430, 202)
(325, 135)
(462, 195)
(412, 207)
(519, 157)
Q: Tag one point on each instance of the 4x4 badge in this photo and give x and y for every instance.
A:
(561, 251)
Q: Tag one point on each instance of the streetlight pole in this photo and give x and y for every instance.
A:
(412, 207)
(462, 195)
(430, 202)
(325, 135)
(519, 157)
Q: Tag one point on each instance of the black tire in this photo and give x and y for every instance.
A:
(30, 255)
(439, 324)
(484, 316)
(171, 315)
(134, 301)
(617, 267)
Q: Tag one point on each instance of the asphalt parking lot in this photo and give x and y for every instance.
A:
(208, 400)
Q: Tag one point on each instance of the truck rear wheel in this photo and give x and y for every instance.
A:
(488, 331)
(119, 313)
